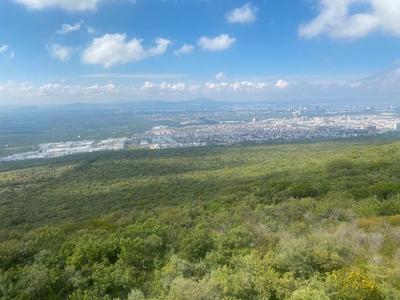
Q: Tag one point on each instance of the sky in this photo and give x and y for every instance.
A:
(59, 51)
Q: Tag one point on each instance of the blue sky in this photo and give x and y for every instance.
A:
(58, 51)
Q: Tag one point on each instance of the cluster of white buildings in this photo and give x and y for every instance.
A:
(50, 150)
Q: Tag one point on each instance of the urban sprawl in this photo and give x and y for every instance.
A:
(204, 129)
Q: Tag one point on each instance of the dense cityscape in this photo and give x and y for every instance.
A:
(258, 131)
(223, 126)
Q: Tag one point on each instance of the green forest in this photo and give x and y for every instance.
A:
(294, 221)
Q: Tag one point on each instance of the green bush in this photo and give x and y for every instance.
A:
(303, 190)
(196, 245)
(309, 294)
(338, 165)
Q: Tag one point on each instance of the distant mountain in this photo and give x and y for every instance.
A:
(195, 104)
(208, 103)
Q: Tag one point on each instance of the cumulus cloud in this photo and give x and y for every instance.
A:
(4, 48)
(239, 86)
(147, 85)
(336, 19)
(186, 49)
(218, 43)
(67, 28)
(282, 84)
(112, 49)
(69, 5)
(382, 85)
(60, 52)
(12, 92)
(163, 87)
(172, 87)
(244, 14)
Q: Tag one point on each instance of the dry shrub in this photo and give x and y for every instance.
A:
(394, 220)
(371, 224)
(378, 223)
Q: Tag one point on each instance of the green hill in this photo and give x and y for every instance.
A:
(289, 221)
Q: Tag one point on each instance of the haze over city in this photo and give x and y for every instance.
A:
(57, 51)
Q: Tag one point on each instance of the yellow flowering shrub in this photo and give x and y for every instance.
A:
(352, 285)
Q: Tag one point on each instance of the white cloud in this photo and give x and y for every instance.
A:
(69, 5)
(220, 76)
(244, 14)
(163, 87)
(67, 28)
(12, 91)
(172, 87)
(186, 49)
(336, 20)
(60, 52)
(12, 54)
(382, 85)
(113, 49)
(4, 48)
(218, 43)
(147, 85)
(282, 84)
(239, 86)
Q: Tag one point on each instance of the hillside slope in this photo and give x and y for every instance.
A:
(290, 221)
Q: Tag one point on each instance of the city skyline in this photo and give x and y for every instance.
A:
(54, 52)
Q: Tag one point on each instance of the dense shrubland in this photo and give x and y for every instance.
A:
(299, 221)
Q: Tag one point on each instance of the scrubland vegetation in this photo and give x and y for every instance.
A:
(293, 221)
